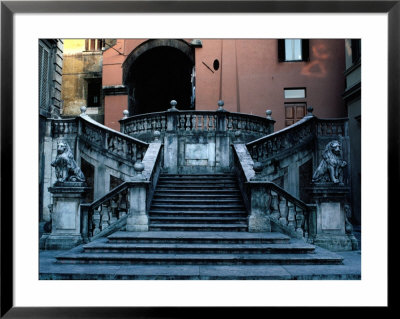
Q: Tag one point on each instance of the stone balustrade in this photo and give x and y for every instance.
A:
(110, 142)
(270, 207)
(61, 127)
(142, 126)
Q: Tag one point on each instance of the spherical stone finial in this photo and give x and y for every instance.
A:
(220, 105)
(125, 113)
(139, 168)
(269, 112)
(310, 109)
(173, 104)
(258, 167)
(156, 135)
(83, 109)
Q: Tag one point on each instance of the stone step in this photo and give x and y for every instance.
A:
(199, 248)
(197, 178)
(200, 259)
(191, 188)
(197, 220)
(193, 213)
(197, 227)
(197, 192)
(203, 237)
(217, 183)
(199, 196)
(196, 201)
(210, 175)
(196, 207)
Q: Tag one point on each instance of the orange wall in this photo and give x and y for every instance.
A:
(116, 104)
(252, 78)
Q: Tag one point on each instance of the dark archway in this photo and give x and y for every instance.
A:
(157, 72)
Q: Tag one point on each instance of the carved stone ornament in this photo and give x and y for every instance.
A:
(331, 166)
(66, 168)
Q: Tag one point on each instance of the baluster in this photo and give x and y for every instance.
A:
(283, 209)
(275, 205)
(133, 152)
(229, 123)
(96, 221)
(163, 125)
(113, 214)
(194, 122)
(299, 221)
(187, 124)
(182, 122)
(104, 216)
(291, 216)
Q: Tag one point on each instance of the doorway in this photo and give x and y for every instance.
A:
(158, 74)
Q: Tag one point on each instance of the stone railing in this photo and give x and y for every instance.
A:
(106, 214)
(287, 140)
(142, 126)
(110, 142)
(270, 207)
(61, 127)
(290, 139)
(287, 213)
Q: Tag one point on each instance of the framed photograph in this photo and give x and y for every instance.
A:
(27, 26)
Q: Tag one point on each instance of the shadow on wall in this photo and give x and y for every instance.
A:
(317, 68)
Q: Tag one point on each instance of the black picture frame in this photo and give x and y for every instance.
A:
(9, 8)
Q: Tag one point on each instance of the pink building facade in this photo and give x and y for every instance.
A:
(249, 75)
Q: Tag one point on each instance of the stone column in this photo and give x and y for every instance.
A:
(138, 219)
(171, 140)
(66, 215)
(222, 139)
(259, 220)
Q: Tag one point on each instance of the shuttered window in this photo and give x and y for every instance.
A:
(293, 50)
(44, 71)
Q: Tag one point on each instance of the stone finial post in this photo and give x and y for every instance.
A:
(258, 168)
(83, 110)
(220, 106)
(171, 139)
(138, 219)
(268, 113)
(310, 110)
(125, 114)
(173, 104)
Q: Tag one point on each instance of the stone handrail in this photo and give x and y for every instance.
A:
(287, 139)
(144, 125)
(106, 214)
(110, 142)
(61, 127)
(286, 212)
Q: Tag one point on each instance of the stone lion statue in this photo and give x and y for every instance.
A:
(331, 166)
(66, 168)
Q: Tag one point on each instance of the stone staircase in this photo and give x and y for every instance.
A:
(197, 203)
(198, 220)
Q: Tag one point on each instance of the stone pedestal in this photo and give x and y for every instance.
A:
(259, 221)
(66, 215)
(331, 230)
(137, 215)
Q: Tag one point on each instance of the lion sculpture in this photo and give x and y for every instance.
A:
(66, 168)
(331, 167)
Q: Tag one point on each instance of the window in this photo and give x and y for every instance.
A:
(295, 93)
(94, 93)
(293, 50)
(355, 50)
(294, 112)
(94, 44)
(44, 71)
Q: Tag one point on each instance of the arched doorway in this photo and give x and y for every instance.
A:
(157, 72)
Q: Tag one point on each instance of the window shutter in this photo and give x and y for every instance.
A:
(305, 48)
(281, 50)
(44, 63)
